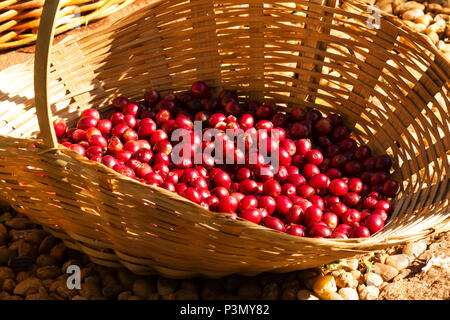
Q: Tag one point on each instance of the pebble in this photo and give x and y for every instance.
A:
(324, 287)
(144, 288)
(305, 294)
(5, 255)
(398, 261)
(46, 260)
(90, 290)
(345, 280)
(48, 272)
(372, 279)
(3, 235)
(6, 273)
(436, 27)
(126, 278)
(24, 286)
(369, 293)
(211, 289)
(125, 295)
(352, 264)
(386, 272)
(8, 285)
(20, 223)
(412, 14)
(348, 293)
(414, 249)
(409, 5)
(166, 286)
(186, 294)
(289, 290)
(425, 20)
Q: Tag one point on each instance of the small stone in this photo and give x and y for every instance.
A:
(324, 286)
(71, 262)
(336, 273)
(186, 294)
(166, 286)
(425, 20)
(94, 279)
(398, 261)
(20, 223)
(412, 14)
(372, 279)
(434, 37)
(126, 278)
(15, 235)
(24, 286)
(9, 285)
(211, 289)
(433, 7)
(436, 27)
(6, 273)
(48, 272)
(415, 249)
(12, 298)
(47, 244)
(3, 235)
(249, 290)
(29, 250)
(386, 272)
(409, 5)
(369, 293)
(37, 296)
(22, 275)
(348, 293)
(344, 280)
(90, 290)
(289, 290)
(110, 291)
(65, 292)
(45, 260)
(356, 274)
(352, 264)
(5, 255)
(36, 236)
(143, 288)
(125, 295)
(271, 291)
(59, 252)
(231, 283)
(305, 294)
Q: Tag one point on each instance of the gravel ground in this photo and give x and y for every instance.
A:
(33, 263)
(34, 266)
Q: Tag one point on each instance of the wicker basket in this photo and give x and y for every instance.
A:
(19, 19)
(391, 86)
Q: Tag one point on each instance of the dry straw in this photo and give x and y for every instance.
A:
(19, 19)
(391, 86)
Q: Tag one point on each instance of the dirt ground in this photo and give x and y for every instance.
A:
(412, 284)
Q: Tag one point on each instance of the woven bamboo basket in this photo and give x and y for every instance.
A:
(19, 19)
(390, 85)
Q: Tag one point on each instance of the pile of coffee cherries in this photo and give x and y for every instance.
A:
(324, 183)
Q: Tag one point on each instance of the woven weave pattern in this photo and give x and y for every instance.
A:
(391, 87)
(19, 19)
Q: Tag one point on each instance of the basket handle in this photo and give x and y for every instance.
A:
(44, 43)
